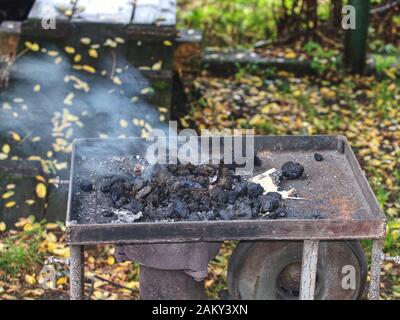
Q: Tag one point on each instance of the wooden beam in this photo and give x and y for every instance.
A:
(158, 12)
(109, 12)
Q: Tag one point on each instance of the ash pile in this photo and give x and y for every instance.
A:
(185, 192)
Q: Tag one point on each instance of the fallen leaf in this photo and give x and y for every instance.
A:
(41, 190)
(30, 279)
(10, 204)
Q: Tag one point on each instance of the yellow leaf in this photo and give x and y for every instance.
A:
(395, 224)
(184, 123)
(123, 123)
(167, 43)
(86, 41)
(391, 73)
(51, 237)
(22, 222)
(132, 285)
(40, 178)
(157, 65)
(93, 53)
(110, 43)
(41, 190)
(63, 252)
(290, 55)
(52, 53)
(8, 194)
(69, 50)
(2, 227)
(30, 279)
(51, 226)
(146, 90)
(32, 46)
(30, 202)
(6, 149)
(61, 281)
(111, 260)
(117, 80)
(28, 227)
(10, 204)
(88, 68)
(297, 93)
(15, 136)
(77, 58)
(119, 40)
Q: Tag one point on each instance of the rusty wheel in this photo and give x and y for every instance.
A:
(271, 270)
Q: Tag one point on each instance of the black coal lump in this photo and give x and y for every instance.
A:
(116, 192)
(274, 196)
(86, 185)
(194, 216)
(318, 157)
(257, 161)
(278, 213)
(232, 196)
(180, 209)
(214, 192)
(134, 206)
(107, 213)
(226, 214)
(243, 211)
(292, 170)
(254, 190)
(210, 215)
(270, 201)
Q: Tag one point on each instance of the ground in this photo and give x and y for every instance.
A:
(363, 108)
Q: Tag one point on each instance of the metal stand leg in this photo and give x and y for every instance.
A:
(309, 269)
(376, 265)
(76, 272)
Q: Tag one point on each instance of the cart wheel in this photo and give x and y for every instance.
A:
(271, 270)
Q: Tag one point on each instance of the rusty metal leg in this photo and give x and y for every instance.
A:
(76, 272)
(376, 265)
(309, 269)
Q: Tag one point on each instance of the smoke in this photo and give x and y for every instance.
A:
(52, 100)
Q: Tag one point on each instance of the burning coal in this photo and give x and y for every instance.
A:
(176, 192)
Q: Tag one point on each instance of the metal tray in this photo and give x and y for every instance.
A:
(335, 189)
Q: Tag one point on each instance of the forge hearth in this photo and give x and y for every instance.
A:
(108, 204)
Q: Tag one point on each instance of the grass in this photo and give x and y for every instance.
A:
(20, 251)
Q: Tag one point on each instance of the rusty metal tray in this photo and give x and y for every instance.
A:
(335, 190)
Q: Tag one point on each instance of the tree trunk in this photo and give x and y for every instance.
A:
(336, 13)
(311, 16)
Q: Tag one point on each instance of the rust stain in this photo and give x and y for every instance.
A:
(345, 207)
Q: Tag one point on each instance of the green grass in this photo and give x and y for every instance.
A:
(21, 252)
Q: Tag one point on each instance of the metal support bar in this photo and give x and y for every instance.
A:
(356, 39)
(309, 269)
(76, 272)
(376, 265)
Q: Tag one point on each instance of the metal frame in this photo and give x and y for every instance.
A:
(308, 272)
(351, 224)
